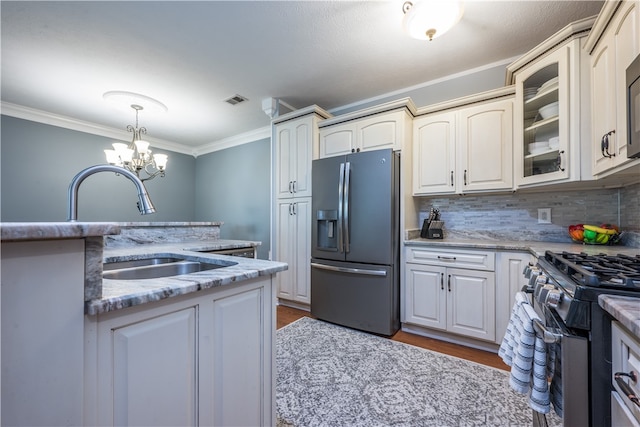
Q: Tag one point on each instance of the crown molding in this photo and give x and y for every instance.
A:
(39, 116)
(233, 141)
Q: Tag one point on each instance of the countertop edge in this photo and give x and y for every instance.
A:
(23, 231)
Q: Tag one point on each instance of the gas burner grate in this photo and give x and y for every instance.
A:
(616, 271)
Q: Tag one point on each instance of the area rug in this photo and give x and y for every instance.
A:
(328, 375)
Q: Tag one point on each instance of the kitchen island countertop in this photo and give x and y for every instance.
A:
(118, 294)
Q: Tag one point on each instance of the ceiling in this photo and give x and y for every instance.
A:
(61, 57)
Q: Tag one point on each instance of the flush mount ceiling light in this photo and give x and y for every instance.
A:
(428, 19)
(136, 157)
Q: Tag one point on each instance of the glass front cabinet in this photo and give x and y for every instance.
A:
(550, 102)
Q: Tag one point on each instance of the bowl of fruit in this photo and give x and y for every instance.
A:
(605, 234)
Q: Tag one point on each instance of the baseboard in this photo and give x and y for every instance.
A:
(294, 304)
(452, 338)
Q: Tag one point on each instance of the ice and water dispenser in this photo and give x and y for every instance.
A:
(327, 228)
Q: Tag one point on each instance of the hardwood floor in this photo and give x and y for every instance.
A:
(286, 315)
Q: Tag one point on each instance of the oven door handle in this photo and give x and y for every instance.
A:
(546, 335)
(628, 391)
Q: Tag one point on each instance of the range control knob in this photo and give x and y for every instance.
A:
(554, 298)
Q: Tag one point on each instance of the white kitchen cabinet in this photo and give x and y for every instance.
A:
(148, 356)
(188, 360)
(442, 293)
(509, 280)
(294, 145)
(464, 150)
(613, 47)
(382, 130)
(625, 357)
(554, 72)
(294, 245)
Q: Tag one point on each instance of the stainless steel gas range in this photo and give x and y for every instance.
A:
(565, 289)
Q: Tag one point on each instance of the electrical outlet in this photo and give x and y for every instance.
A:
(544, 216)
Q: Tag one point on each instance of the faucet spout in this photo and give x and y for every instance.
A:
(145, 206)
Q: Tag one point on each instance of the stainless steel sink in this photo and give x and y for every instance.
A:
(156, 267)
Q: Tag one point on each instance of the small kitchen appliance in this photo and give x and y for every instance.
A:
(564, 290)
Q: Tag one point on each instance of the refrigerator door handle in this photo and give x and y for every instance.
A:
(362, 271)
(347, 178)
(340, 209)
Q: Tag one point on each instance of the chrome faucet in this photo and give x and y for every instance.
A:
(144, 203)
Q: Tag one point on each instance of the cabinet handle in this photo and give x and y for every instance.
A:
(447, 258)
(449, 283)
(290, 209)
(560, 168)
(295, 208)
(604, 145)
(290, 187)
(465, 177)
(628, 391)
(442, 281)
(295, 186)
(452, 178)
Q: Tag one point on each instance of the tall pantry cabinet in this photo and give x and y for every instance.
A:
(295, 145)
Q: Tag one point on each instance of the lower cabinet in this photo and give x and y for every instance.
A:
(509, 281)
(205, 360)
(452, 299)
(293, 246)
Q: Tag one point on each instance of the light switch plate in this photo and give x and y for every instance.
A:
(544, 216)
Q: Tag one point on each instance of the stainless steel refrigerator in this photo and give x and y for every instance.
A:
(355, 241)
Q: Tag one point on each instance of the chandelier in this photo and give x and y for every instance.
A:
(137, 157)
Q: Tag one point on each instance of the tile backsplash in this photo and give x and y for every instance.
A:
(515, 216)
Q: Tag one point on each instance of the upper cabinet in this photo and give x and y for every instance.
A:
(367, 130)
(464, 150)
(551, 108)
(296, 145)
(613, 44)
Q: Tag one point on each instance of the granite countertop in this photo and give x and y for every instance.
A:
(624, 309)
(536, 248)
(19, 231)
(118, 294)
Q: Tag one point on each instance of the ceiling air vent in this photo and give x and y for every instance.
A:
(236, 99)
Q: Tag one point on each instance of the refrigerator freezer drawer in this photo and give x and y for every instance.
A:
(359, 296)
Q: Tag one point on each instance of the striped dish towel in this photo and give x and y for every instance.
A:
(526, 353)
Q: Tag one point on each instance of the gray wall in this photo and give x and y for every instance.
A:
(433, 93)
(39, 161)
(233, 185)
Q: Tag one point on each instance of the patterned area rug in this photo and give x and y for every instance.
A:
(334, 376)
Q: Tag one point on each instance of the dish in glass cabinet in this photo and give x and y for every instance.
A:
(548, 83)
